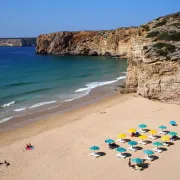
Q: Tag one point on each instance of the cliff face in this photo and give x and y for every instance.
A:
(17, 41)
(114, 43)
(152, 50)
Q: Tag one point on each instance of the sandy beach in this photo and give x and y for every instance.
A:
(62, 143)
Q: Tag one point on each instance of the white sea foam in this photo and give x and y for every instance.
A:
(5, 119)
(42, 103)
(17, 110)
(90, 86)
(8, 104)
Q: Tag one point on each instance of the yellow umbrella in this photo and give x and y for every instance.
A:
(153, 131)
(121, 136)
(132, 130)
(143, 137)
(165, 138)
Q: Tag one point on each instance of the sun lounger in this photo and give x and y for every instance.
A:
(149, 158)
(157, 150)
(141, 131)
(137, 168)
(96, 155)
(132, 149)
(163, 132)
(119, 155)
(142, 142)
(165, 144)
(152, 137)
(121, 140)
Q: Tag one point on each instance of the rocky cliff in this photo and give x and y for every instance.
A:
(152, 50)
(17, 41)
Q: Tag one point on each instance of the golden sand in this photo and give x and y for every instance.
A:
(62, 143)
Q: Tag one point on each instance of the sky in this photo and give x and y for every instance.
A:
(22, 18)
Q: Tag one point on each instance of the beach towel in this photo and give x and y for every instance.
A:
(30, 148)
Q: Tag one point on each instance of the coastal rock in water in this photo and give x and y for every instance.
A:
(17, 42)
(152, 50)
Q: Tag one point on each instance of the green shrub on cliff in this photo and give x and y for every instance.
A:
(169, 36)
(163, 48)
(153, 34)
(163, 22)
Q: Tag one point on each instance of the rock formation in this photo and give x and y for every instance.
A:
(17, 41)
(152, 50)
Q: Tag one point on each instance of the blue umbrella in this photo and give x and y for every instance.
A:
(94, 148)
(173, 122)
(172, 133)
(162, 127)
(142, 126)
(121, 149)
(148, 152)
(137, 160)
(132, 143)
(109, 141)
(157, 144)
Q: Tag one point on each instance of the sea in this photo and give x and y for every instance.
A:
(30, 83)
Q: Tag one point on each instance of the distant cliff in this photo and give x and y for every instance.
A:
(17, 41)
(152, 50)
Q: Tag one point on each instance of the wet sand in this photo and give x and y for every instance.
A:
(62, 143)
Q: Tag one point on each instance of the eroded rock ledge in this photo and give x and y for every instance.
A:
(152, 50)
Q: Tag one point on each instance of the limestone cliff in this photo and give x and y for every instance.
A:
(152, 50)
(17, 41)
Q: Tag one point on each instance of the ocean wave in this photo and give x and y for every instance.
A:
(8, 104)
(21, 109)
(90, 86)
(42, 103)
(5, 119)
(18, 84)
(84, 75)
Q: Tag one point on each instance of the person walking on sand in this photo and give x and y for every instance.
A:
(129, 163)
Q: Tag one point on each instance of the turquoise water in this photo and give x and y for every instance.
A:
(29, 81)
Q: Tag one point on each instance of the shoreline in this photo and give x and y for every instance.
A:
(15, 130)
(46, 111)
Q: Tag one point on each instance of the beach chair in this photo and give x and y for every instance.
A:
(142, 142)
(142, 131)
(95, 155)
(121, 140)
(157, 150)
(119, 155)
(152, 137)
(132, 149)
(165, 144)
(163, 132)
(138, 168)
(149, 158)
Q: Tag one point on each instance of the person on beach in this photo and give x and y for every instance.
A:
(129, 163)
(7, 164)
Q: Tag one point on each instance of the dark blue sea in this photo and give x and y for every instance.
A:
(29, 81)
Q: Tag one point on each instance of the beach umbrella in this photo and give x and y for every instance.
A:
(172, 122)
(109, 141)
(162, 127)
(132, 143)
(153, 132)
(148, 152)
(172, 133)
(157, 144)
(121, 136)
(137, 160)
(142, 126)
(132, 130)
(94, 148)
(165, 138)
(121, 150)
(143, 137)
